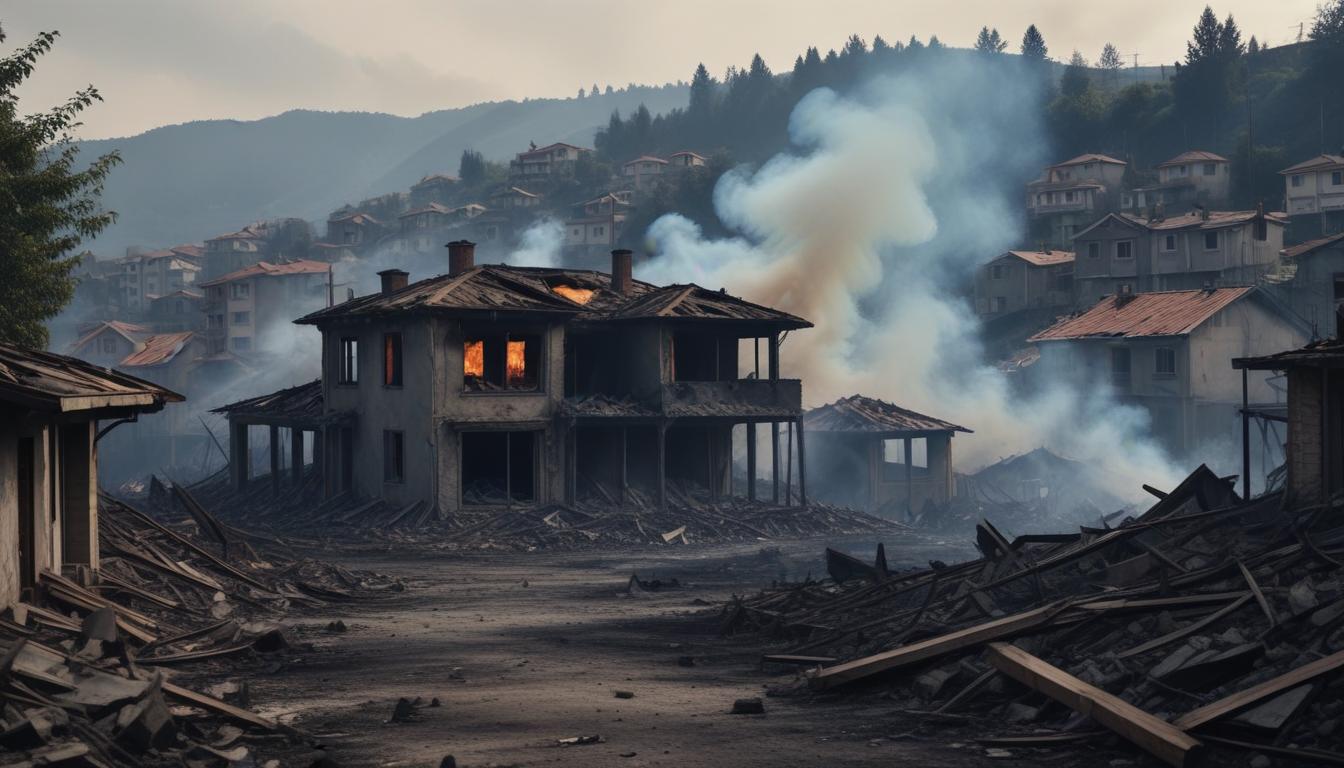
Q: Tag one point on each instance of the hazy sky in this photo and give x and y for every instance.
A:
(167, 61)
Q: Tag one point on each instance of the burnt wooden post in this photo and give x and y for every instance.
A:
(275, 460)
(662, 465)
(1245, 437)
(802, 464)
(711, 465)
(909, 478)
(239, 461)
(788, 467)
(751, 460)
(508, 470)
(774, 461)
(625, 466)
(296, 454)
(572, 478)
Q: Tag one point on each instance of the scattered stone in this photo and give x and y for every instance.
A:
(1021, 713)
(624, 694)
(929, 684)
(403, 711)
(748, 707)
(336, 626)
(1301, 597)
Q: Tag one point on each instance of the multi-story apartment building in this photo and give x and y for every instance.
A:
(1123, 253)
(1314, 197)
(1071, 195)
(644, 171)
(242, 308)
(541, 165)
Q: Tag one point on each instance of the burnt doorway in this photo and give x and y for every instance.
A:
(498, 468)
(27, 498)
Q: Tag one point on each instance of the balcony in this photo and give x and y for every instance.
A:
(742, 398)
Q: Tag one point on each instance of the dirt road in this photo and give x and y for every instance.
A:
(522, 650)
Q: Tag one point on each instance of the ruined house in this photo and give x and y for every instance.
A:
(872, 455)
(1123, 253)
(109, 342)
(50, 409)
(1314, 415)
(1168, 352)
(1071, 195)
(1313, 283)
(1024, 280)
(495, 386)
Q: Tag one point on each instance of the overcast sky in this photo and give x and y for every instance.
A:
(159, 62)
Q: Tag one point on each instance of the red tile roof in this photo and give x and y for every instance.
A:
(1317, 163)
(267, 269)
(1164, 313)
(158, 350)
(1194, 156)
(857, 413)
(130, 331)
(1043, 258)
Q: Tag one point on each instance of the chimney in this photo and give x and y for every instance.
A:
(461, 257)
(393, 280)
(622, 270)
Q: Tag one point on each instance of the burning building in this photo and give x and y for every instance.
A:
(502, 386)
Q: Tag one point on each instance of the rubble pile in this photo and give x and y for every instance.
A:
(97, 665)
(1038, 491)
(598, 519)
(1203, 624)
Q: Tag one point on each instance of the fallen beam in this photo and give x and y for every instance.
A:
(1237, 702)
(933, 647)
(1162, 740)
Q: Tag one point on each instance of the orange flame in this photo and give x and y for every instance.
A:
(516, 371)
(576, 295)
(473, 358)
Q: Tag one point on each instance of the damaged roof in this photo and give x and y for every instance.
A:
(52, 382)
(502, 288)
(267, 269)
(1162, 313)
(857, 413)
(1042, 258)
(1193, 156)
(158, 350)
(1324, 353)
(130, 331)
(1311, 246)
(301, 405)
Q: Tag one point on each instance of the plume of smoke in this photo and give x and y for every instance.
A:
(896, 193)
(540, 245)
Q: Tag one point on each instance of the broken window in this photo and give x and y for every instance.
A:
(701, 357)
(499, 362)
(895, 459)
(392, 359)
(498, 468)
(394, 456)
(348, 372)
(1164, 361)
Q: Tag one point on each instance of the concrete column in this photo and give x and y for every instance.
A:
(296, 454)
(239, 461)
(275, 459)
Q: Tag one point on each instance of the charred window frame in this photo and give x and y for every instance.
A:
(392, 360)
(508, 362)
(394, 456)
(348, 365)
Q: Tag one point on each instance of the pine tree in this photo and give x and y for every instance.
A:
(996, 41)
(46, 206)
(593, 91)
(581, 92)
(1033, 45)
(1207, 35)
(880, 45)
(471, 168)
(855, 46)
(1075, 81)
(702, 91)
(914, 44)
(759, 71)
(982, 41)
(1253, 47)
(935, 43)
(1229, 39)
(1110, 58)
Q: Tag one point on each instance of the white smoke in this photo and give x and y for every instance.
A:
(539, 246)
(895, 195)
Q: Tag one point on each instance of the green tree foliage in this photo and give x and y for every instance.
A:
(935, 43)
(702, 91)
(1110, 59)
(471, 168)
(46, 206)
(1203, 45)
(880, 45)
(1033, 45)
(914, 44)
(989, 41)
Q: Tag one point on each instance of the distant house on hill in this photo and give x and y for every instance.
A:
(434, 188)
(546, 163)
(684, 160)
(244, 307)
(1019, 280)
(1070, 195)
(644, 171)
(1188, 179)
(1314, 191)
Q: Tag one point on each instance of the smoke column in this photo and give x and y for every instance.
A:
(894, 195)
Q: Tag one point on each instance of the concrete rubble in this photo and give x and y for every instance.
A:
(1205, 624)
(144, 661)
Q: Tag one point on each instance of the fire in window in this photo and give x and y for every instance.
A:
(499, 362)
(392, 359)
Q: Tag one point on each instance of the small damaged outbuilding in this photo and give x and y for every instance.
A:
(50, 406)
(872, 455)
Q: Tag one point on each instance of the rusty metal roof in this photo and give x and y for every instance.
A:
(54, 382)
(267, 269)
(1324, 353)
(500, 288)
(302, 405)
(158, 350)
(1164, 313)
(857, 413)
(1302, 249)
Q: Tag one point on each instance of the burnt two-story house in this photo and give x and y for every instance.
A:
(498, 386)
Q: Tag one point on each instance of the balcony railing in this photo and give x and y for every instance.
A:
(741, 397)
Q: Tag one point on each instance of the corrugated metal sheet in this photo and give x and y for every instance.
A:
(857, 413)
(267, 269)
(158, 349)
(303, 404)
(1166, 313)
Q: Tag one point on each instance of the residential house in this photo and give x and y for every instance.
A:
(540, 165)
(1190, 179)
(1123, 253)
(178, 362)
(244, 308)
(1071, 195)
(51, 408)
(1024, 280)
(434, 188)
(181, 310)
(354, 230)
(233, 251)
(684, 160)
(421, 230)
(1312, 413)
(1314, 197)
(1313, 284)
(145, 276)
(1169, 353)
(106, 343)
(598, 227)
(514, 198)
(499, 386)
(872, 455)
(644, 171)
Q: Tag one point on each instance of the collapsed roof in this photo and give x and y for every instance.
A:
(857, 413)
(51, 382)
